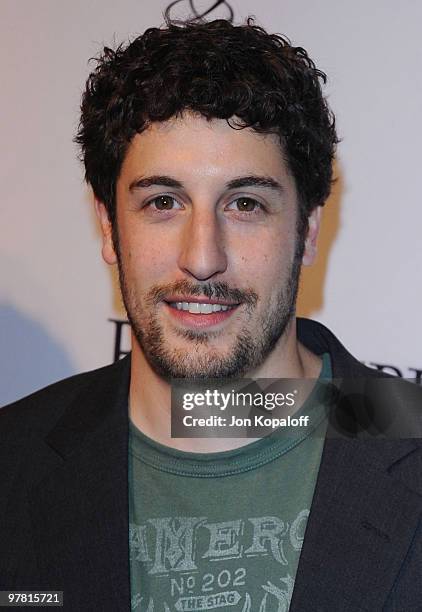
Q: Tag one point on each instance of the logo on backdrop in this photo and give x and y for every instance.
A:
(122, 348)
(200, 13)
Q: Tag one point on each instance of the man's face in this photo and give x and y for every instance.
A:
(207, 246)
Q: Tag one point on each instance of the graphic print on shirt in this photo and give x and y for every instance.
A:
(189, 563)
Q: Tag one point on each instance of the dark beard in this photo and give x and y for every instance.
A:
(248, 352)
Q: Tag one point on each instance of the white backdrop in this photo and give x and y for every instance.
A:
(57, 295)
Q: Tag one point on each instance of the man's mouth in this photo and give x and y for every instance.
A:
(200, 312)
(201, 307)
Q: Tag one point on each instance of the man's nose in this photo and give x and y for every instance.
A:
(202, 253)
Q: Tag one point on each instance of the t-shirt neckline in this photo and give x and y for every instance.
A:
(234, 461)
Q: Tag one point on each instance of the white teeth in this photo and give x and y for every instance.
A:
(194, 307)
(205, 308)
(198, 308)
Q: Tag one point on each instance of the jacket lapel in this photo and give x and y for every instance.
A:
(360, 528)
(364, 512)
(80, 510)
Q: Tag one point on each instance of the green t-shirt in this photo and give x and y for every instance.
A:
(221, 530)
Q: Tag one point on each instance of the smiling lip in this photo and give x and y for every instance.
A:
(199, 320)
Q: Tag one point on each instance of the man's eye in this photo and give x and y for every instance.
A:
(164, 202)
(246, 204)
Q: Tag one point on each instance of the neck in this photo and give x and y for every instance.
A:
(150, 394)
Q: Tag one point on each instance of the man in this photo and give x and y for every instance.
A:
(209, 149)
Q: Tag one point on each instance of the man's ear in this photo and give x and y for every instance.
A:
(314, 222)
(108, 252)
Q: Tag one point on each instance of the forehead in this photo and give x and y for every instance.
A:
(192, 146)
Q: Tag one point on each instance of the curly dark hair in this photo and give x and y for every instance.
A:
(219, 70)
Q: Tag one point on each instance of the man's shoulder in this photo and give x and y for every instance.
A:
(319, 339)
(42, 408)
(367, 402)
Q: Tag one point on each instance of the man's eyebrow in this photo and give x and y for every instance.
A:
(251, 180)
(149, 181)
(255, 181)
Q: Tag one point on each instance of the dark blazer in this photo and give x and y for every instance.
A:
(64, 496)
